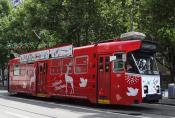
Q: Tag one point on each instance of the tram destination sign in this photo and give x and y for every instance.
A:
(46, 54)
(61, 51)
(149, 46)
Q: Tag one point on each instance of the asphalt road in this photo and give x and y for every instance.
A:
(32, 107)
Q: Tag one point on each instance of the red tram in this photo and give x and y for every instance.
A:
(112, 72)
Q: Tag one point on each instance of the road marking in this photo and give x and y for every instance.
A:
(15, 114)
(78, 107)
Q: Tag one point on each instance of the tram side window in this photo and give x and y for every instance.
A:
(16, 70)
(101, 64)
(22, 70)
(30, 71)
(119, 63)
(56, 67)
(81, 64)
(107, 64)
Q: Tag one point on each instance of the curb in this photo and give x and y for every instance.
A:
(3, 88)
(169, 104)
(167, 101)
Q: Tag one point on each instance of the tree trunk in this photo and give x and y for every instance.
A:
(78, 39)
(172, 63)
(3, 76)
(86, 36)
(172, 76)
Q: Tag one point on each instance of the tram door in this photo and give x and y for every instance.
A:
(104, 70)
(41, 78)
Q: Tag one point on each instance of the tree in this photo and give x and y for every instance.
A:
(159, 24)
(5, 9)
(45, 23)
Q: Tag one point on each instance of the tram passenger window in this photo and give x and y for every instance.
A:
(101, 64)
(81, 64)
(16, 70)
(119, 64)
(30, 73)
(22, 70)
(107, 64)
(55, 67)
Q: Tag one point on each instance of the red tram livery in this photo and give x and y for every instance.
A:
(112, 72)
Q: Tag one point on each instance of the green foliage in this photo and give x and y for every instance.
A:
(5, 8)
(159, 24)
(45, 23)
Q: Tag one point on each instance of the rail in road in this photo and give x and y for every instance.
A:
(32, 107)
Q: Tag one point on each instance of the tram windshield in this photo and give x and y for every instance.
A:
(143, 63)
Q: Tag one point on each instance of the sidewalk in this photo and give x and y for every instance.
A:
(3, 88)
(165, 100)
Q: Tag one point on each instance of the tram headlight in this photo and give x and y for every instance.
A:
(145, 89)
(158, 89)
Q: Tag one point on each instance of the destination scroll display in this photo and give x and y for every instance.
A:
(44, 54)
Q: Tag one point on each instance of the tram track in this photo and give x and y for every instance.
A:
(88, 108)
(139, 111)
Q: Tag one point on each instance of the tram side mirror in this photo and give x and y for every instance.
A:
(113, 58)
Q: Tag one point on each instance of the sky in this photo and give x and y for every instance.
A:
(16, 2)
